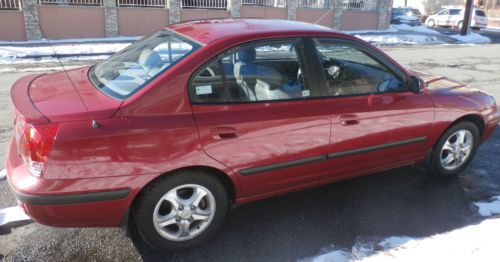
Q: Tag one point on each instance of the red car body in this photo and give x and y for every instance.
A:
(107, 150)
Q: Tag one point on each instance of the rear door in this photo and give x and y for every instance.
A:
(256, 113)
(376, 122)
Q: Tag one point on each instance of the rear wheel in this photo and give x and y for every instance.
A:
(454, 150)
(181, 210)
(431, 23)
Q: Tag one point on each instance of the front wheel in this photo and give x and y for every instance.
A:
(454, 150)
(180, 210)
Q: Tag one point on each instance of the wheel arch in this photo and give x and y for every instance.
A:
(226, 180)
(474, 118)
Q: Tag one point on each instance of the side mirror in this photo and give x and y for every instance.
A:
(415, 84)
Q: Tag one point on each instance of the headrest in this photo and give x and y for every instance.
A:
(149, 58)
(246, 54)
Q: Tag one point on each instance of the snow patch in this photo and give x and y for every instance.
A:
(472, 38)
(396, 39)
(487, 209)
(3, 174)
(12, 214)
(420, 29)
(478, 243)
(9, 54)
(334, 256)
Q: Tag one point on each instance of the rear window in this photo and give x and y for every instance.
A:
(480, 13)
(127, 71)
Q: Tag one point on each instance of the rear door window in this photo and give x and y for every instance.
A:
(266, 71)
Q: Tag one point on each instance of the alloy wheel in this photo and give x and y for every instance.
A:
(456, 150)
(184, 212)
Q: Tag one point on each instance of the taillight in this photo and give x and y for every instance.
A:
(35, 144)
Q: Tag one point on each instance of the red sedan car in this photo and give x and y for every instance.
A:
(167, 134)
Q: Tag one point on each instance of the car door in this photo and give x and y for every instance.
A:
(256, 113)
(376, 122)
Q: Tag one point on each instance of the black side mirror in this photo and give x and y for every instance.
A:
(415, 84)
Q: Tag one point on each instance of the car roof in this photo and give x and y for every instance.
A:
(206, 31)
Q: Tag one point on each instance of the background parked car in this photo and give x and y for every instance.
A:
(406, 15)
(454, 17)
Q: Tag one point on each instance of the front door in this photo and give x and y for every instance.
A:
(376, 122)
(255, 113)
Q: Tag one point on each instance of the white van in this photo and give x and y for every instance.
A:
(454, 17)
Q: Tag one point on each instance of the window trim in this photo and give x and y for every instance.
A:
(368, 51)
(301, 55)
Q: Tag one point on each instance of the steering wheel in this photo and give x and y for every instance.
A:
(207, 72)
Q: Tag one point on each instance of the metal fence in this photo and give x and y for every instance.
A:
(71, 2)
(141, 3)
(204, 4)
(273, 3)
(353, 4)
(346, 4)
(10, 5)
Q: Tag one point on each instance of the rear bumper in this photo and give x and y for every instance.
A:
(69, 202)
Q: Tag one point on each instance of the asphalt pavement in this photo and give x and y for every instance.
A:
(402, 202)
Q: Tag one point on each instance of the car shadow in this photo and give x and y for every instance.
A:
(401, 202)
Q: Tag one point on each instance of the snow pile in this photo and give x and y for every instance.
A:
(398, 39)
(12, 214)
(419, 29)
(487, 209)
(3, 174)
(472, 38)
(11, 53)
(476, 243)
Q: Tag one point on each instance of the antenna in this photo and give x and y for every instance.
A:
(58, 59)
(325, 14)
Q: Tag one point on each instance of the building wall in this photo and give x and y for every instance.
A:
(12, 26)
(358, 20)
(36, 21)
(196, 14)
(139, 21)
(263, 12)
(59, 22)
(322, 17)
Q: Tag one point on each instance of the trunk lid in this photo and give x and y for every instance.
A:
(61, 96)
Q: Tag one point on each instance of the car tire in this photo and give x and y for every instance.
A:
(180, 210)
(475, 28)
(459, 25)
(431, 23)
(451, 154)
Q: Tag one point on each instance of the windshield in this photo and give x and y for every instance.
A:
(127, 71)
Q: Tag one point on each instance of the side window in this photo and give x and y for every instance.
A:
(251, 73)
(350, 71)
(444, 12)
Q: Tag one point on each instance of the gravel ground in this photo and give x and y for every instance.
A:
(405, 201)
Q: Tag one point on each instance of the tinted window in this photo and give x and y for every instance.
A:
(350, 71)
(251, 73)
(455, 11)
(480, 13)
